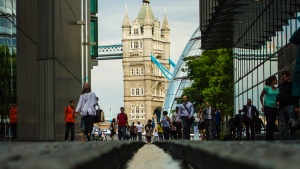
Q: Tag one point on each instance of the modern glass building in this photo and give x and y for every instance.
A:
(259, 32)
(8, 24)
(179, 79)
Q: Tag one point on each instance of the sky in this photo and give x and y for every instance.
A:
(107, 77)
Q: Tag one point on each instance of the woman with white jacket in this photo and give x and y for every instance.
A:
(86, 107)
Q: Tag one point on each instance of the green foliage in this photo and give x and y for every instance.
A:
(8, 78)
(212, 74)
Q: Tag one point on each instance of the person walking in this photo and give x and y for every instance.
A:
(132, 132)
(165, 123)
(288, 106)
(269, 105)
(231, 127)
(149, 131)
(160, 132)
(250, 115)
(139, 129)
(113, 128)
(209, 115)
(122, 121)
(86, 107)
(70, 116)
(185, 113)
(218, 121)
(176, 123)
(155, 134)
(13, 120)
(201, 123)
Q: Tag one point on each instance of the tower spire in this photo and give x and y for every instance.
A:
(165, 25)
(146, 1)
(126, 22)
(147, 17)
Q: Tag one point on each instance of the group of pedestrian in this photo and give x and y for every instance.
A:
(86, 107)
(276, 102)
(279, 101)
(210, 121)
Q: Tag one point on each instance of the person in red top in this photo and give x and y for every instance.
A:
(13, 119)
(122, 122)
(70, 115)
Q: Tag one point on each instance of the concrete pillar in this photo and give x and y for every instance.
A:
(49, 66)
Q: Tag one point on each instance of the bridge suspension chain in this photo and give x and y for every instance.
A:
(161, 67)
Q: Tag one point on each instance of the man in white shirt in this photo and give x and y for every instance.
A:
(139, 129)
(185, 113)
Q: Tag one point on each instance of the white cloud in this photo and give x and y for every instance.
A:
(107, 77)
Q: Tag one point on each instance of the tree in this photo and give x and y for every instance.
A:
(212, 75)
(8, 78)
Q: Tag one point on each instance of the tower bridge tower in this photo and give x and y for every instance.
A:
(144, 84)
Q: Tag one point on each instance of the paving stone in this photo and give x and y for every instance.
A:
(62, 155)
(236, 155)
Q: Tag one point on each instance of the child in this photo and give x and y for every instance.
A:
(149, 131)
(155, 135)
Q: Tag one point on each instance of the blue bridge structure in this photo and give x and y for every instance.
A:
(111, 52)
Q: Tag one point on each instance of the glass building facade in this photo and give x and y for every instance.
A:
(259, 32)
(179, 79)
(8, 24)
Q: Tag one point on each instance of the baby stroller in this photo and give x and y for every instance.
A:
(96, 133)
(102, 136)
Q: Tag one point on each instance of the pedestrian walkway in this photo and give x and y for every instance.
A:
(150, 156)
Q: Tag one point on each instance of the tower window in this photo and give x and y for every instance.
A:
(132, 91)
(136, 31)
(136, 45)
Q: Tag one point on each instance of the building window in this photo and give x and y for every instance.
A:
(132, 91)
(137, 71)
(132, 110)
(136, 45)
(137, 93)
(142, 71)
(132, 72)
(142, 91)
(137, 110)
(135, 31)
(141, 44)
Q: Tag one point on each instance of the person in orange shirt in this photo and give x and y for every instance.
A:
(13, 119)
(70, 116)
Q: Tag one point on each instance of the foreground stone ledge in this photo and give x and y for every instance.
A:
(61, 155)
(236, 155)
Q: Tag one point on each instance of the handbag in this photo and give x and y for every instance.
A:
(99, 116)
(192, 119)
(294, 123)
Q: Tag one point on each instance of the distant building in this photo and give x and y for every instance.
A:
(144, 84)
(259, 33)
(179, 80)
(7, 24)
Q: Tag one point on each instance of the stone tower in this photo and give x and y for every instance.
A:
(144, 84)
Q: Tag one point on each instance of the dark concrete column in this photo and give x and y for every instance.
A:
(49, 66)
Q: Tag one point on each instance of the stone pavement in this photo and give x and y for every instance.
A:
(63, 155)
(236, 154)
(135, 155)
